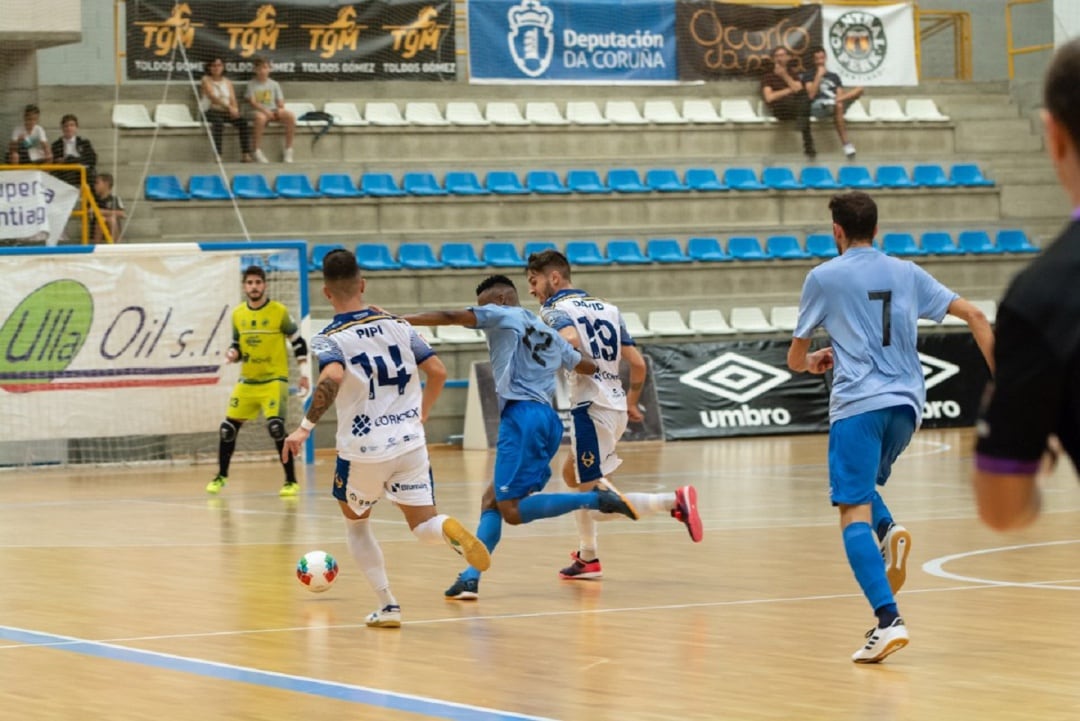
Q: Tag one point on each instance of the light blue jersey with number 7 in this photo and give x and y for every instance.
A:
(870, 304)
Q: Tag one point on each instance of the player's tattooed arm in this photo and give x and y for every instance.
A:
(325, 393)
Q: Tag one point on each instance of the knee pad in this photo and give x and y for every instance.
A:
(276, 427)
(228, 430)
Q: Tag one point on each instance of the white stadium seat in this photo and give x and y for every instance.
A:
(709, 322)
(458, 334)
(380, 113)
(299, 109)
(424, 114)
(856, 113)
(662, 112)
(584, 112)
(174, 115)
(427, 333)
(504, 113)
(750, 320)
(544, 113)
(668, 322)
(784, 317)
(700, 111)
(634, 326)
(132, 116)
(887, 110)
(465, 113)
(924, 110)
(623, 112)
(739, 111)
(345, 114)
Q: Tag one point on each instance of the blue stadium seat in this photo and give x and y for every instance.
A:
(417, 256)
(626, 180)
(901, 244)
(208, 187)
(460, 182)
(338, 185)
(501, 255)
(893, 176)
(821, 245)
(319, 252)
(930, 176)
(504, 182)
(665, 180)
(742, 179)
(289, 262)
(535, 246)
(165, 187)
(460, 255)
(742, 247)
(939, 242)
(969, 175)
(375, 256)
(585, 181)
(818, 177)
(786, 247)
(855, 176)
(666, 250)
(252, 187)
(977, 242)
(704, 179)
(294, 185)
(380, 185)
(1015, 241)
(421, 184)
(626, 252)
(585, 252)
(545, 182)
(706, 250)
(780, 179)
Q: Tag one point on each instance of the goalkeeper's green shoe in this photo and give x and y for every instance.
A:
(216, 485)
(289, 490)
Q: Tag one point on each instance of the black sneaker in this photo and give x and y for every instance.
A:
(464, 589)
(611, 501)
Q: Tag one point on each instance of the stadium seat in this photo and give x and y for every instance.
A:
(165, 187)
(132, 116)
(818, 177)
(662, 112)
(319, 252)
(709, 321)
(750, 319)
(785, 247)
(856, 113)
(380, 185)
(584, 112)
(208, 187)
(252, 187)
(739, 111)
(930, 176)
(988, 307)
(742, 179)
(666, 250)
(375, 256)
(465, 113)
(428, 334)
(545, 182)
(501, 255)
(417, 256)
(338, 185)
(535, 246)
(887, 110)
(626, 180)
(544, 113)
(702, 112)
(634, 326)
(780, 179)
(1015, 241)
(459, 334)
(585, 181)
(668, 322)
(977, 242)
(855, 176)
(504, 182)
(460, 182)
(585, 252)
(706, 250)
(289, 262)
(460, 255)
(784, 317)
(382, 113)
(623, 112)
(174, 115)
(345, 114)
(626, 252)
(294, 185)
(969, 175)
(704, 180)
(301, 109)
(939, 243)
(423, 113)
(417, 183)
(766, 114)
(893, 176)
(901, 244)
(924, 110)
(821, 245)
(742, 247)
(504, 113)
(665, 180)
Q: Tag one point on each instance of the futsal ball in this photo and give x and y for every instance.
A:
(317, 571)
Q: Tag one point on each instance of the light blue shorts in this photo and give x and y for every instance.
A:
(862, 450)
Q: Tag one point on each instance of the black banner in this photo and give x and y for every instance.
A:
(725, 40)
(373, 40)
(956, 374)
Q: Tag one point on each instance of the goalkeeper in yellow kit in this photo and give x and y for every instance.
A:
(260, 329)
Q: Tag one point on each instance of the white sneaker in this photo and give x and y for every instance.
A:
(849, 150)
(288, 155)
(385, 617)
(895, 548)
(880, 642)
(260, 158)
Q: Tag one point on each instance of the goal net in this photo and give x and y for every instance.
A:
(116, 354)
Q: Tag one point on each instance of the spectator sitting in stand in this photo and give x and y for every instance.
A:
(112, 209)
(28, 142)
(217, 100)
(73, 149)
(268, 102)
(786, 96)
(829, 96)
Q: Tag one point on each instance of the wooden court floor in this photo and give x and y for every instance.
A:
(128, 594)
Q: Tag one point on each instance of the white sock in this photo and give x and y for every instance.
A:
(646, 504)
(430, 531)
(368, 555)
(586, 527)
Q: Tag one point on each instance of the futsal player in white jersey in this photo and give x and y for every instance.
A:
(369, 362)
(601, 406)
(870, 304)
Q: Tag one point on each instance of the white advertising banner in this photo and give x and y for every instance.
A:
(34, 204)
(94, 347)
(871, 45)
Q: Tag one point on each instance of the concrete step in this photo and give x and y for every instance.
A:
(1040, 201)
(999, 136)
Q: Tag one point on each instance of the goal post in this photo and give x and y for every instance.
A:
(116, 353)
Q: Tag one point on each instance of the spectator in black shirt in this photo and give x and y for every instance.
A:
(785, 94)
(1033, 403)
(829, 97)
(73, 149)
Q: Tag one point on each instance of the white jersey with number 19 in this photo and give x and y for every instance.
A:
(378, 404)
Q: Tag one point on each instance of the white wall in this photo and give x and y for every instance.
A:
(41, 16)
(1066, 20)
(89, 62)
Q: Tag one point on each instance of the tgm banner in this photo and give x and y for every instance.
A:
(34, 205)
(373, 40)
(571, 41)
(871, 45)
(91, 347)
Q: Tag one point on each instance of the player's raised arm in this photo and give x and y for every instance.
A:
(326, 390)
(443, 317)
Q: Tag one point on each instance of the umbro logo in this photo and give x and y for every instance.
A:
(735, 377)
(936, 371)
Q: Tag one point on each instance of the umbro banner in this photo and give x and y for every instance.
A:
(872, 45)
(956, 375)
(571, 41)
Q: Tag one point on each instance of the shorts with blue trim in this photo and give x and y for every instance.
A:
(862, 450)
(529, 438)
(594, 432)
(405, 479)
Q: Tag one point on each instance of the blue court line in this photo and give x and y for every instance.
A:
(285, 682)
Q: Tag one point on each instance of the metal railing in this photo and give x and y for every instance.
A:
(87, 203)
(934, 22)
(1010, 46)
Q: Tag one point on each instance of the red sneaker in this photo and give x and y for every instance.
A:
(685, 511)
(580, 569)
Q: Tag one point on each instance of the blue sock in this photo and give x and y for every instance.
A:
(882, 518)
(549, 505)
(489, 531)
(865, 560)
